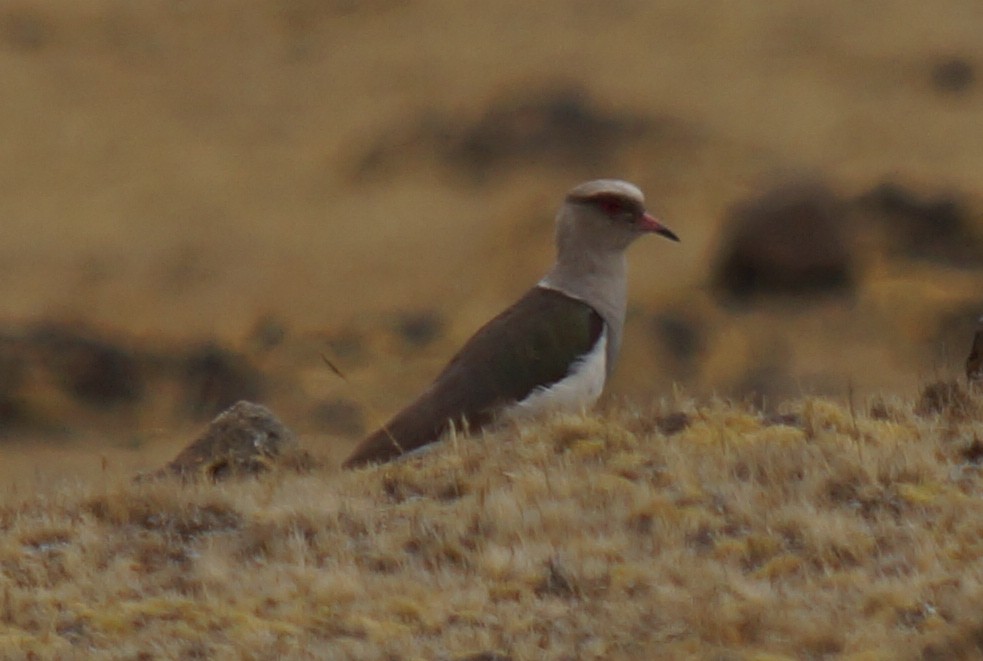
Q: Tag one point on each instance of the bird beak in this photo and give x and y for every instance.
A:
(649, 223)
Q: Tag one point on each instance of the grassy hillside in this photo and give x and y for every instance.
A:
(823, 530)
(199, 200)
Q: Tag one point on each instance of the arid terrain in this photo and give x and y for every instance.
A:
(818, 533)
(200, 202)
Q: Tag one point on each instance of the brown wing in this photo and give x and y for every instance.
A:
(529, 345)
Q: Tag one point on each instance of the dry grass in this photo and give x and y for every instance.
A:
(176, 171)
(584, 537)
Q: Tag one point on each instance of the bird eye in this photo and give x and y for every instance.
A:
(611, 206)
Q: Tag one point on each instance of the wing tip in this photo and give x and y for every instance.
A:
(374, 449)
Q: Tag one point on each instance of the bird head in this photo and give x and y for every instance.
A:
(605, 215)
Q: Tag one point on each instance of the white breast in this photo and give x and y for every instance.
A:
(578, 390)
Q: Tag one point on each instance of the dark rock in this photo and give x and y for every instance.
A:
(268, 333)
(12, 411)
(246, 439)
(953, 75)
(485, 656)
(25, 30)
(95, 371)
(215, 378)
(938, 227)
(340, 417)
(12, 377)
(420, 328)
(788, 241)
(560, 127)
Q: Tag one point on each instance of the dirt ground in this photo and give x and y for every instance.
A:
(372, 180)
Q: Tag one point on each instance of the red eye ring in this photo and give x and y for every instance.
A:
(610, 206)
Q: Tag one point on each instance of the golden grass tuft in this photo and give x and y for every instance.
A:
(825, 531)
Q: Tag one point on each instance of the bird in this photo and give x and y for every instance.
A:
(974, 364)
(553, 349)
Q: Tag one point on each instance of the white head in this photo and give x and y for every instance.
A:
(603, 216)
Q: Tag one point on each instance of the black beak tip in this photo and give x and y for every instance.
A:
(668, 233)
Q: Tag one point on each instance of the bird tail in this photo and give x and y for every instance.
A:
(419, 424)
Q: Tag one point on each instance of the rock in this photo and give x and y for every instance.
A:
(215, 377)
(953, 75)
(788, 241)
(419, 328)
(246, 439)
(923, 226)
(94, 370)
(268, 333)
(25, 30)
(559, 126)
(556, 126)
(12, 378)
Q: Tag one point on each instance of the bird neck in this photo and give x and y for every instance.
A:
(599, 279)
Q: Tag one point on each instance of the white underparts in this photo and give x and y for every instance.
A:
(577, 391)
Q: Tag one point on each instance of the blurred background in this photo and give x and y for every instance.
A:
(199, 200)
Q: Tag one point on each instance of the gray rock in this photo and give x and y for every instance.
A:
(245, 439)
